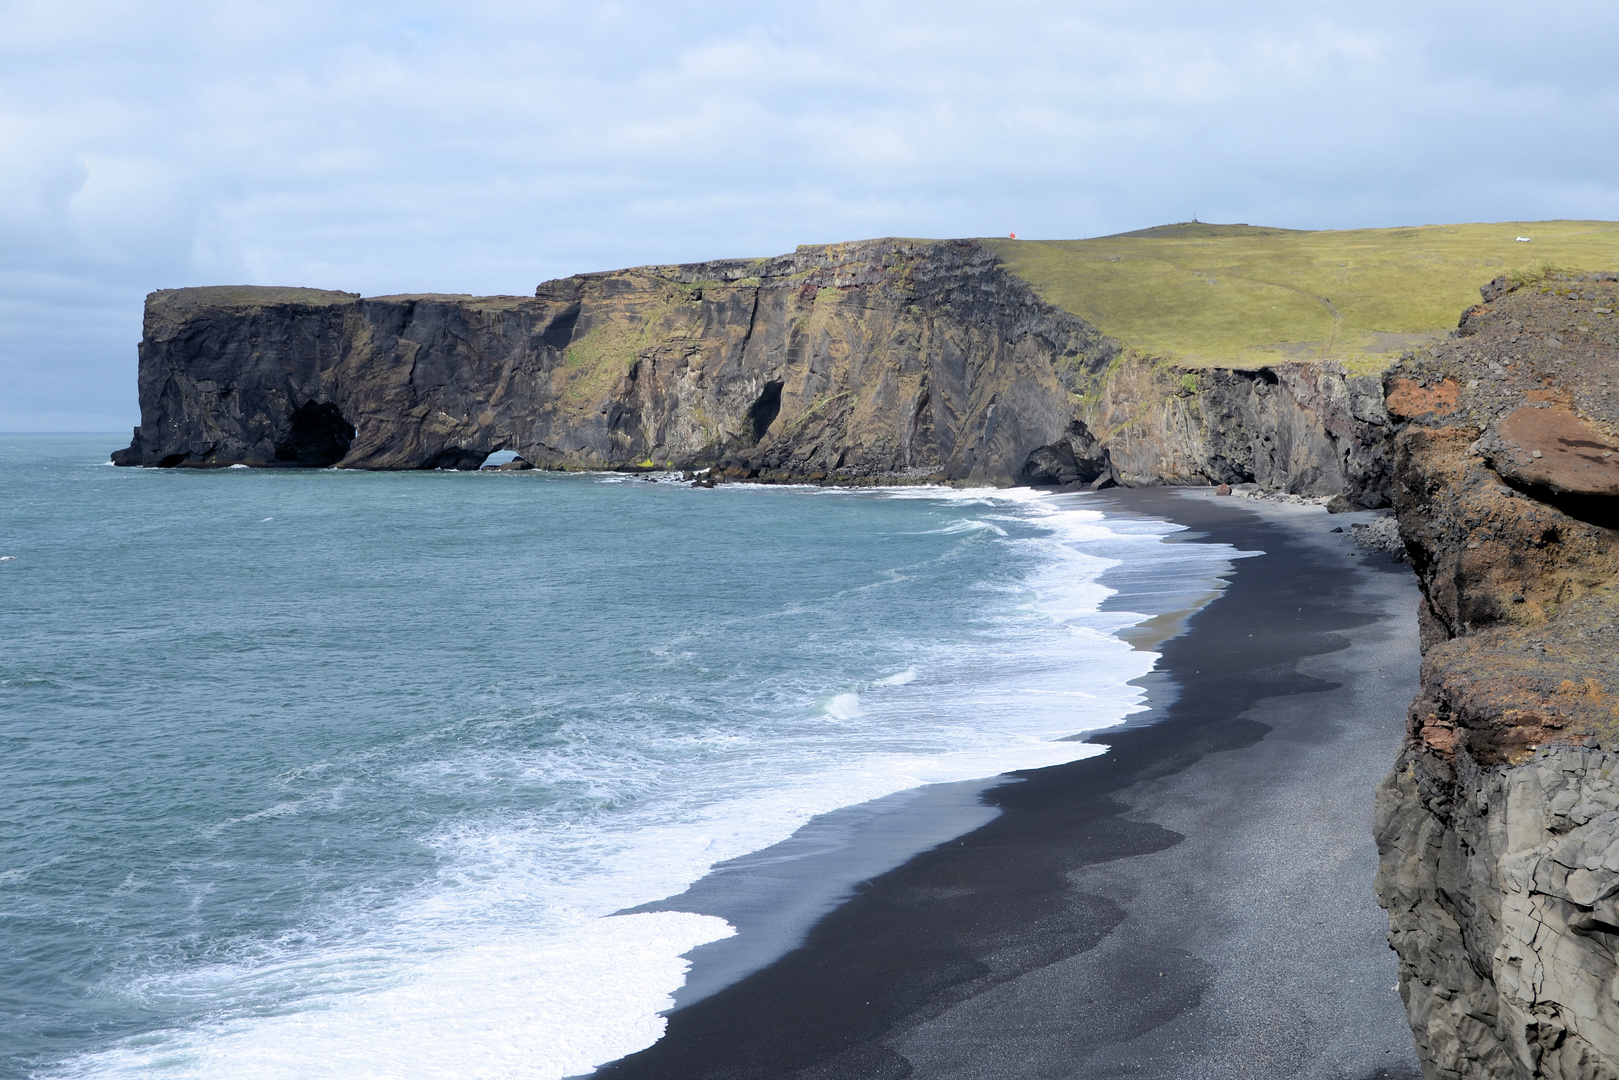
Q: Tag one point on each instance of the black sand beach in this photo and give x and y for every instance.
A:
(1194, 903)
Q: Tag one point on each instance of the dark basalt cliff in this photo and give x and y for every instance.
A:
(1499, 826)
(882, 360)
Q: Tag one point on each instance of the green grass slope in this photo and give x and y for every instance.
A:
(1242, 295)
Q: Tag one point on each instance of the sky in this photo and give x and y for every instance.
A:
(488, 145)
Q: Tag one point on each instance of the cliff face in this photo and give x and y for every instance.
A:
(1499, 825)
(882, 359)
(1307, 429)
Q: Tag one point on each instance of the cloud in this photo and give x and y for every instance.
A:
(488, 145)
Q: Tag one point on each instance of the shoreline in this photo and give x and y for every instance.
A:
(774, 896)
(1194, 902)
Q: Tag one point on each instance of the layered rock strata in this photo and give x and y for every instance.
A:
(879, 360)
(1499, 825)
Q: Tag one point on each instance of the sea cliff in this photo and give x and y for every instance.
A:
(883, 360)
(1499, 826)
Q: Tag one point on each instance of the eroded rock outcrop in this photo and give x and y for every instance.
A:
(882, 359)
(1306, 429)
(1499, 825)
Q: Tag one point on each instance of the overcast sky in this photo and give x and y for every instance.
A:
(487, 145)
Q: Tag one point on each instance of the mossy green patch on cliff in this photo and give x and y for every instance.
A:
(818, 406)
(1243, 296)
(599, 359)
(594, 364)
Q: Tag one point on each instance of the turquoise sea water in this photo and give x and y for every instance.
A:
(313, 773)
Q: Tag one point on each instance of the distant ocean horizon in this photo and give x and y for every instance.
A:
(324, 773)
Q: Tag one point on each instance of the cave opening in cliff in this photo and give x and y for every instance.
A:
(764, 411)
(318, 437)
(456, 459)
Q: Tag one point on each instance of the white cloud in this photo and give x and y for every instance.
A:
(488, 145)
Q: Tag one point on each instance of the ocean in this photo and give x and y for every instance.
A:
(331, 774)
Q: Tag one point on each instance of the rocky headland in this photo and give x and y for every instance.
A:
(877, 361)
(1499, 825)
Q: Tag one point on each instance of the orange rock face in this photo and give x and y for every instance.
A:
(1409, 399)
(1507, 491)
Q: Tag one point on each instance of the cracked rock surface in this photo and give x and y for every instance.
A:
(1498, 828)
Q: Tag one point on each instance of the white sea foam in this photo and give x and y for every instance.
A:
(513, 963)
(845, 706)
(968, 525)
(520, 1005)
(283, 809)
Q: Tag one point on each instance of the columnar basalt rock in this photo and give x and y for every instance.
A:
(1499, 825)
(880, 360)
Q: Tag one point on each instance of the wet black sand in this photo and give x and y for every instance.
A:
(1194, 903)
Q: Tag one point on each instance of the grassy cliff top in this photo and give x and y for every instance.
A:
(238, 296)
(1243, 295)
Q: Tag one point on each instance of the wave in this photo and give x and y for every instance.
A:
(521, 1005)
(967, 525)
(845, 706)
